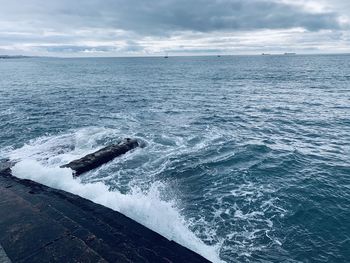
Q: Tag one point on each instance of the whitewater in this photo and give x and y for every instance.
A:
(243, 158)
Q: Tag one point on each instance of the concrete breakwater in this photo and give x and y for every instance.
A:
(42, 224)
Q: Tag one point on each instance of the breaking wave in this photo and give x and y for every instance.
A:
(40, 159)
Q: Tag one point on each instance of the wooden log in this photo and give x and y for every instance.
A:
(102, 156)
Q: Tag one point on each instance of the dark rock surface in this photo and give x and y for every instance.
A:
(41, 224)
(96, 159)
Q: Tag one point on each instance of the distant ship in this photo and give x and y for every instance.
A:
(265, 54)
(166, 56)
(289, 54)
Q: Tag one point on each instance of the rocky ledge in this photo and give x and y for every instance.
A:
(41, 224)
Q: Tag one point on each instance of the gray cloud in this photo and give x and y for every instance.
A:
(209, 15)
(163, 17)
(149, 26)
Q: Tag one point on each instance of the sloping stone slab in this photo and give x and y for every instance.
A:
(41, 224)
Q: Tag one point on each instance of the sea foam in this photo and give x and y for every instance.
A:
(39, 161)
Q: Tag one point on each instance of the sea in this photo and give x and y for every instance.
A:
(243, 158)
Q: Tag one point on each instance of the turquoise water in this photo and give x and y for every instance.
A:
(245, 158)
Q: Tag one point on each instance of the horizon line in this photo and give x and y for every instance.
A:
(290, 54)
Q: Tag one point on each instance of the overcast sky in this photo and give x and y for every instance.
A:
(177, 27)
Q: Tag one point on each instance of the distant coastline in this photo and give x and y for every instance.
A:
(13, 57)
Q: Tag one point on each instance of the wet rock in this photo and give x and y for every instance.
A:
(96, 159)
(6, 164)
(42, 224)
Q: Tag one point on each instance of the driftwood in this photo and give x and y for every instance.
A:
(96, 159)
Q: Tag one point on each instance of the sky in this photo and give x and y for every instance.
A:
(74, 28)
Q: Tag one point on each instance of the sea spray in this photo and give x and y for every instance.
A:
(145, 208)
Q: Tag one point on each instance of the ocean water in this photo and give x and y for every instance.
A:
(244, 158)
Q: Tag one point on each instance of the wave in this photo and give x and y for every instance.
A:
(39, 160)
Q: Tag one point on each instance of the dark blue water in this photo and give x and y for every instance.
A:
(246, 158)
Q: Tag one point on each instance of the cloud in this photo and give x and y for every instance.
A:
(209, 15)
(163, 17)
(146, 26)
(74, 49)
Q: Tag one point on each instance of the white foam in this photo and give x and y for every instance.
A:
(39, 161)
